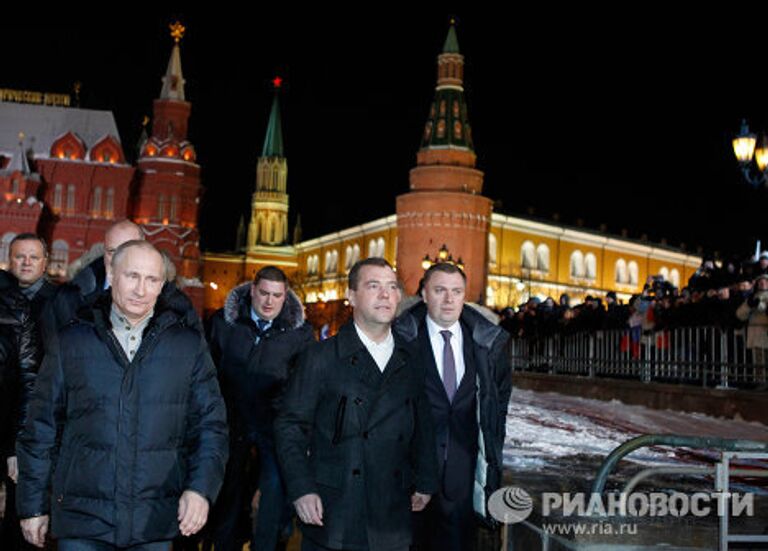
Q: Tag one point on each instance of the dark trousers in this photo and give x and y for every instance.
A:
(309, 545)
(235, 498)
(446, 525)
(93, 545)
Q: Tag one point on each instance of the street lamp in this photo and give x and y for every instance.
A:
(746, 148)
(443, 256)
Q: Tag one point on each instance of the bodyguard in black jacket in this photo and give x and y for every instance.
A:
(354, 435)
(125, 444)
(255, 341)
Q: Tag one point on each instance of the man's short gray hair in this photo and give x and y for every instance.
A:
(141, 244)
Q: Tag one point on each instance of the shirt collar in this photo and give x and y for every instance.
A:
(255, 317)
(119, 320)
(368, 342)
(434, 329)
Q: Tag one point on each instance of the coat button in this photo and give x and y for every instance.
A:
(355, 472)
(365, 435)
(60, 498)
(358, 401)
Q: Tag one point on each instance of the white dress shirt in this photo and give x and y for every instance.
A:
(382, 351)
(438, 345)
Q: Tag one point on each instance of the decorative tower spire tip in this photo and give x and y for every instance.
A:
(177, 31)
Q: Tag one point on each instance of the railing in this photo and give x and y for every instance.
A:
(707, 356)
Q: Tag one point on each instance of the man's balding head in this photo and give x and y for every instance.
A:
(117, 234)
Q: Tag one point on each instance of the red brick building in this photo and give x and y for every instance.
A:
(64, 175)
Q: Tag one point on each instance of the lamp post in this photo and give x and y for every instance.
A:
(746, 148)
(443, 256)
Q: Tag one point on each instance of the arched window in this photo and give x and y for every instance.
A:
(634, 272)
(335, 261)
(174, 208)
(664, 272)
(371, 248)
(578, 269)
(71, 198)
(674, 277)
(96, 202)
(542, 258)
(490, 298)
(58, 193)
(590, 265)
(355, 253)
(348, 258)
(528, 255)
(161, 207)
(109, 208)
(491, 248)
(622, 276)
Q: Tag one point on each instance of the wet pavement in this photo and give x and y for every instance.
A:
(556, 443)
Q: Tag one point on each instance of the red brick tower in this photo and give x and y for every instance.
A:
(444, 205)
(168, 190)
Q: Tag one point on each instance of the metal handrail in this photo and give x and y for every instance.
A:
(722, 444)
(642, 475)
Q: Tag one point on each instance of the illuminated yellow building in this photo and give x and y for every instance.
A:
(519, 258)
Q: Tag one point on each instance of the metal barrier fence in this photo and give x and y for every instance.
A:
(706, 356)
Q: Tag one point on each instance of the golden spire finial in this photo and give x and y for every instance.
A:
(21, 138)
(177, 31)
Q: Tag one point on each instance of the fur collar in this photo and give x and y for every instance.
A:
(238, 305)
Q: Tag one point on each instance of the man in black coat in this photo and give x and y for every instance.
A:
(128, 411)
(28, 261)
(255, 341)
(468, 378)
(19, 357)
(354, 435)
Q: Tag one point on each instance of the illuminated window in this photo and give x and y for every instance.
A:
(58, 192)
(109, 208)
(528, 255)
(590, 266)
(542, 258)
(174, 208)
(491, 248)
(578, 270)
(96, 202)
(160, 207)
(674, 277)
(664, 272)
(71, 198)
(633, 273)
(622, 275)
(59, 258)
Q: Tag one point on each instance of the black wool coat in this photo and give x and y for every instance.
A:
(111, 444)
(360, 439)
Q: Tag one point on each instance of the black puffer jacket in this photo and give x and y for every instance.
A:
(19, 356)
(252, 375)
(134, 435)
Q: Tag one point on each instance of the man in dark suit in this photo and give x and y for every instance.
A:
(468, 378)
(354, 435)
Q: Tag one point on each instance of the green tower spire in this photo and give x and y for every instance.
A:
(273, 142)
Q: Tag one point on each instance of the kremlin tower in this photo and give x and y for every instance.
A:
(445, 205)
(168, 192)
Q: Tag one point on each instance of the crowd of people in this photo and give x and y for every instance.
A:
(730, 296)
(127, 423)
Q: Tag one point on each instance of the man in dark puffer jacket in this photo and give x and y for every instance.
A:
(132, 392)
(255, 341)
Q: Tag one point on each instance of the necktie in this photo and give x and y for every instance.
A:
(262, 324)
(449, 366)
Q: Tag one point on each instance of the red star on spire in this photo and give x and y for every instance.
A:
(277, 82)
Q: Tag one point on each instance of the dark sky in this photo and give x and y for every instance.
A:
(603, 118)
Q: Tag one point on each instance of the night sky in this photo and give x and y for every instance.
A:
(624, 121)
